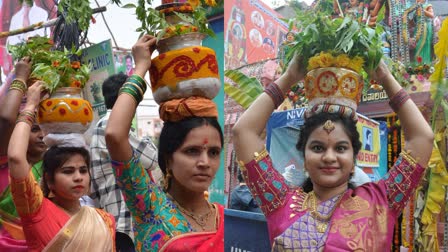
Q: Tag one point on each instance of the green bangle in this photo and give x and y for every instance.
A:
(137, 78)
(130, 84)
(142, 85)
(132, 92)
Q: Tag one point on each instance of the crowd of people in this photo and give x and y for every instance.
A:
(44, 180)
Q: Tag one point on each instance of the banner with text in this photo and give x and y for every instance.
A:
(100, 59)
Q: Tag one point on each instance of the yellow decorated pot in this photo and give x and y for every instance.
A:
(65, 112)
(333, 85)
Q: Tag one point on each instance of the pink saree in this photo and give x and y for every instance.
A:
(199, 241)
(362, 221)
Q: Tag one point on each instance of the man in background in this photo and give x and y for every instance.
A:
(241, 198)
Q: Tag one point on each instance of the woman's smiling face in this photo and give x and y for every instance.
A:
(329, 157)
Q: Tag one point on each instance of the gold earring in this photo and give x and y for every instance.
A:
(166, 183)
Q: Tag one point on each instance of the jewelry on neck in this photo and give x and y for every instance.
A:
(322, 221)
(200, 219)
(329, 126)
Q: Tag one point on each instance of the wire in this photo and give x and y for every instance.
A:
(107, 26)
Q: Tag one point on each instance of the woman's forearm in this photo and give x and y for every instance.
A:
(18, 147)
(248, 130)
(8, 114)
(417, 132)
(118, 126)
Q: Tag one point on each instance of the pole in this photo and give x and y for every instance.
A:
(40, 25)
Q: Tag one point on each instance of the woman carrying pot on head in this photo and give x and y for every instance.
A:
(326, 213)
(11, 232)
(176, 217)
(52, 217)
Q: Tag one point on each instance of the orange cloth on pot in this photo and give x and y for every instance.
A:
(177, 109)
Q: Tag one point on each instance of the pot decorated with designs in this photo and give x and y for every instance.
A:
(65, 112)
(333, 88)
(184, 67)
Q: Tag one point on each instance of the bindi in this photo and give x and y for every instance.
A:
(204, 143)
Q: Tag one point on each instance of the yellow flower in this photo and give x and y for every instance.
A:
(356, 64)
(342, 60)
(210, 2)
(194, 3)
(313, 63)
(326, 60)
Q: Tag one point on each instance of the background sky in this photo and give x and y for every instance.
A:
(122, 22)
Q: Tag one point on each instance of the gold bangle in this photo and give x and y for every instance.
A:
(18, 85)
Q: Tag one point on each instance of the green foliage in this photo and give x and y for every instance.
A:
(153, 22)
(51, 66)
(78, 11)
(28, 2)
(319, 32)
(247, 89)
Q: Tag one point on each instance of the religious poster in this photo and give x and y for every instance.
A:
(16, 16)
(253, 32)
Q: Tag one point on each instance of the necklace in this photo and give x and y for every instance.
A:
(321, 220)
(200, 219)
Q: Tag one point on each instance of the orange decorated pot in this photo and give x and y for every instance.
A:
(184, 68)
(65, 112)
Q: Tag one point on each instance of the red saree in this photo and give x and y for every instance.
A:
(199, 241)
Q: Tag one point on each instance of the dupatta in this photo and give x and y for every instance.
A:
(199, 241)
(88, 230)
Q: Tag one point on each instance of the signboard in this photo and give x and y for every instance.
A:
(369, 133)
(373, 95)
(245, 231)
(253, 32)
(124, 62)
(100, 58)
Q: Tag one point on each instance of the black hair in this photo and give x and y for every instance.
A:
(173, 135)
(317, 120)
(111, 86)
(54, 158)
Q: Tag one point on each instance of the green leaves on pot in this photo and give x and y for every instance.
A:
(321, 33)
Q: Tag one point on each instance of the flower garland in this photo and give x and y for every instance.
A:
(326, 59)
(392, 156)
(420, 24)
